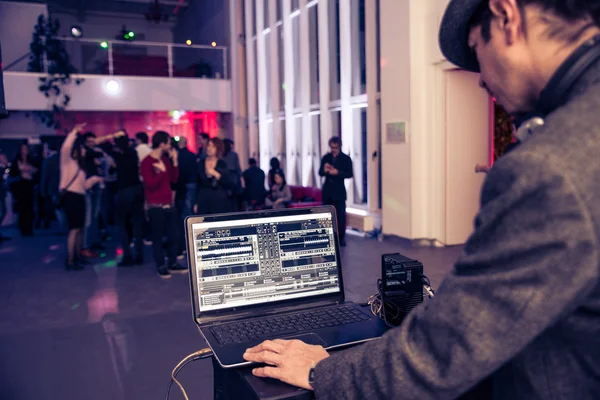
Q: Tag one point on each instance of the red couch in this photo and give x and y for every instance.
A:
(305, 197)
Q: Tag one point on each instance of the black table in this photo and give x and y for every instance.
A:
(239, 383)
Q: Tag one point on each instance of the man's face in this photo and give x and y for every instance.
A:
(335, 149)
(505, 64)
(90, 142)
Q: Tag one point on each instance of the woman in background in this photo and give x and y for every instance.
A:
(275, 165)
(281, 193)
(73, 185)
(23, 189)
(214, 182)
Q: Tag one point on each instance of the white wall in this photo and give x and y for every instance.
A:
(136, 94)
(395, 107)
(16, 27)
(413, 89)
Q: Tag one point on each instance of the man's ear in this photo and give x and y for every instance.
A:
(507, 19)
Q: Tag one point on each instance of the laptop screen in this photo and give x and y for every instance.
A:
(260, 260)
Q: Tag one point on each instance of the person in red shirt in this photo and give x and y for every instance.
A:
(159, 170)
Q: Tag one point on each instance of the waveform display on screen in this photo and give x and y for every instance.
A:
(215, 250)
(227, 250)
(315, 241)
(229, 270)
(310, 260)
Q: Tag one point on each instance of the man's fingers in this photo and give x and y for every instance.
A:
(267, 372)
(267, 357)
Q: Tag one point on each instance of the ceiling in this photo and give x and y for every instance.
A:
(130, 8)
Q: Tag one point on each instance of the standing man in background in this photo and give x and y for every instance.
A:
(185, 193)
(158, 173)
(335, 167)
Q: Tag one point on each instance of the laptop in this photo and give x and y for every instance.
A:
(272, 274)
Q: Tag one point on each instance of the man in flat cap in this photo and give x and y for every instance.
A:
(522, 305)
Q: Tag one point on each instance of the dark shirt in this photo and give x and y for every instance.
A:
(128, 173)
(333, 187)
(188, 169)
(254, 178)
(50, 175)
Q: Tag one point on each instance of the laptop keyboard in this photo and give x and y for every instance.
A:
(278, 326)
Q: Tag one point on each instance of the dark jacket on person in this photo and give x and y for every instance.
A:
(333, 187)
(254, 179)
(212, 194)
(188, 166)
(50, 177)
(522, 304)
(235, 171)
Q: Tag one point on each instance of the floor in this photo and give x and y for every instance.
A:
(116, 333)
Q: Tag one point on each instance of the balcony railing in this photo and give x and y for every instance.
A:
(138, 58)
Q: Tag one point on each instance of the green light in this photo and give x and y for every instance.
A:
(131, 34)
(104, 45)
(283, 86)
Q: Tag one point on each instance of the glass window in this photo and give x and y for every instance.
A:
(358, 49)
(267, 20)
(279, 11)
(280, 33)
(313, 23)
(361, 165)
(255, 77)
(334, 48)
(253, 16)
(296, 51)
(267, 62)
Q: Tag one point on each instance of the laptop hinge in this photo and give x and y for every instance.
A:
(264, 313)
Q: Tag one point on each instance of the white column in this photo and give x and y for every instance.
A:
(308, 151)
(324, 74)
(345, 89)
(292, 151)
(238, 82)
(276, 142)
(264, 139)
(251, 81)
(373, 135)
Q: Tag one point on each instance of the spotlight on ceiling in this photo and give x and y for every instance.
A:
(214, 44)
(112, 87)
(188, 42)
(76, 31)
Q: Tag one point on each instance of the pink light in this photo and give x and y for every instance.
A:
(119, 251)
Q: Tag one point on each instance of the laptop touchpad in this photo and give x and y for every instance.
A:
(308, 338)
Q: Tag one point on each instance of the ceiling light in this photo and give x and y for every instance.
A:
(188, 42)
(76, 31)
(112, 87)
(214, 44)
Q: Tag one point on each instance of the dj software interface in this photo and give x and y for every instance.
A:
(261, 260)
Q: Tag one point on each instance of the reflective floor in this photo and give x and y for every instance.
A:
(116, 333)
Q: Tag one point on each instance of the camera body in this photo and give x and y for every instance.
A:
(401, 282)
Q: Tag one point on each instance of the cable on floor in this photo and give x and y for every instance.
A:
(200, 354)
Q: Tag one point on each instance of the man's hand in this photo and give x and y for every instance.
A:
(333, 171)
(159, 166)
(79, 127)
(291, 360)
(327, 167)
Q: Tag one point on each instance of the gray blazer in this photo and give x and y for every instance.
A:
(522, 304)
